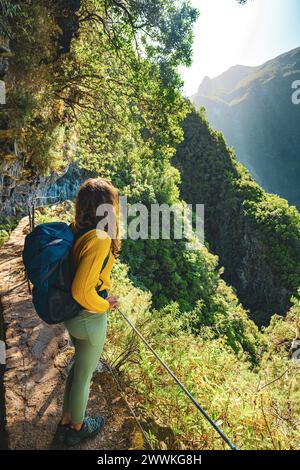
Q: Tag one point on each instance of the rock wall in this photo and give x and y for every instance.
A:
(16, 192)
(20, 182)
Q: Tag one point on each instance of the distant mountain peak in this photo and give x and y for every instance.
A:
(228, 81)
(224, 82)
(253, 108)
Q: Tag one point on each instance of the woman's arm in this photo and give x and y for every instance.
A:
(87, 275)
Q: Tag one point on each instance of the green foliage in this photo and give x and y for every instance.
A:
(8, 10)
(226, 318)
(258, 408)
(37, 115)
(170, 271)
(7, 225)
(255, 234)
(191, 278)
(241, 103)
(280, 226)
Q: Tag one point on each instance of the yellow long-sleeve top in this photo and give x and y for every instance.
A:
(88, 254)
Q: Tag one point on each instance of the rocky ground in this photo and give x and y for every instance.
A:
(38, 358)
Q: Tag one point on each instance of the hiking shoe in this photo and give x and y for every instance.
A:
(91, 427)
(60, 433)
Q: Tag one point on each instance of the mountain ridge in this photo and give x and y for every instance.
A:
(253, 108)
(246, 69)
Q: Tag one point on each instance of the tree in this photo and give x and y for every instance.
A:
(103, 74)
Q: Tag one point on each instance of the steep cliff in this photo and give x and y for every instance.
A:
(256, 235)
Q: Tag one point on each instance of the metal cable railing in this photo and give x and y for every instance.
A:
(178, 382)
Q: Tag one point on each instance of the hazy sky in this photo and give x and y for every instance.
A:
(227, 34)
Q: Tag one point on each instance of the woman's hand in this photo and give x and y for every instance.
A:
(113, 302)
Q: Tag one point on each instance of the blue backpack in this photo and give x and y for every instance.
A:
(47, 262)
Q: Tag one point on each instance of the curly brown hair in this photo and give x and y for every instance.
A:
(91, 194)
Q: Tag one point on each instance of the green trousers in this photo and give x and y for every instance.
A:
(87, 332)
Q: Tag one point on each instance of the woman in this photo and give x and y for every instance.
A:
(92, 255)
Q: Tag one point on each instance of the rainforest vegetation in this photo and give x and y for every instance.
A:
(255, 234)
(96, 83)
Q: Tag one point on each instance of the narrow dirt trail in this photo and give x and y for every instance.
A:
(38, 358)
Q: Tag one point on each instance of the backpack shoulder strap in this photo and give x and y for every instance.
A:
(105, 261)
